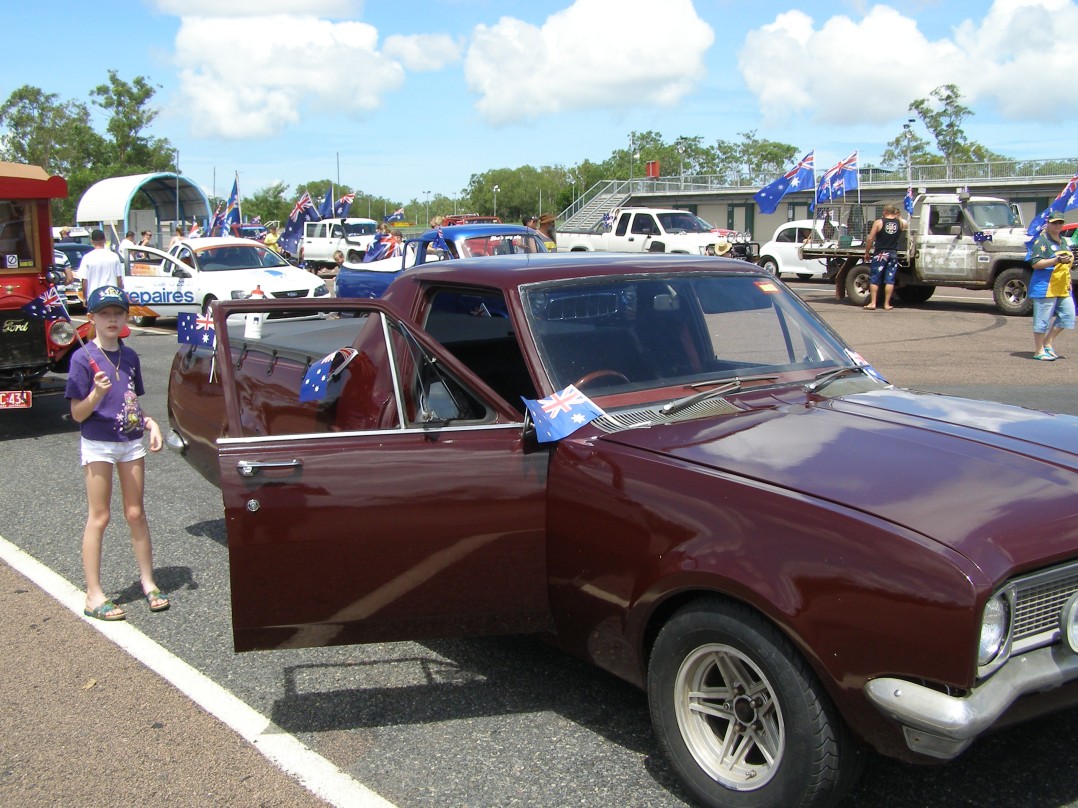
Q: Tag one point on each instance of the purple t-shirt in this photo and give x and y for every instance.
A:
(118, 416)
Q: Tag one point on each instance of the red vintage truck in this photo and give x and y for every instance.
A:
(36, 336)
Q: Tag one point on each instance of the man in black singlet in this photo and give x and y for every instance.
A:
(881, 247)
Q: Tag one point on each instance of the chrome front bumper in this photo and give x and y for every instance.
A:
(942, 726)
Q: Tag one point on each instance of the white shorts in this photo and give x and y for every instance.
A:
(109, 451)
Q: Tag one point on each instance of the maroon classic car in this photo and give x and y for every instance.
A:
(792, 557)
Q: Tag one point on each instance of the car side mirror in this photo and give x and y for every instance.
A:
(956, 230)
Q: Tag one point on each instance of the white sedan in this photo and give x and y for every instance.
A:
(195, 272)
(779, 256)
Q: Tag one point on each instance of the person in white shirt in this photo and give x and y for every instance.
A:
(99, 267)
(126, 244)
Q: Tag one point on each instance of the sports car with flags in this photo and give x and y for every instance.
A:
(666, 465)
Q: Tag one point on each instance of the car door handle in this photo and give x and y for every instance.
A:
(249, 468)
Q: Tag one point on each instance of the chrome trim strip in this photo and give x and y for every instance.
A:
(329, 435)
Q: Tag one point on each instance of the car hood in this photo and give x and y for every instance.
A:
(985, 479)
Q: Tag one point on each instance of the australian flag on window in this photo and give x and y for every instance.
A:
(47, 305)
(195, 329)
(343, 206)
(561, 414)
(798, 178)
(322, 374)
(396, 216)
(838, 180)
(302, 213)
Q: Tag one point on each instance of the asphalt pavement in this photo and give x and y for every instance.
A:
(87, 717)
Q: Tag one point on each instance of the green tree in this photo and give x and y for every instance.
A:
(754, 159)
(269, 203)
(130, 149)
(942, 115)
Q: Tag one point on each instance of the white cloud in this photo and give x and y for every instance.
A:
(593, 55)
(255, 85)
(422, 52)
(869, 70)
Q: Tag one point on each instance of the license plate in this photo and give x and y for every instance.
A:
(15, 399)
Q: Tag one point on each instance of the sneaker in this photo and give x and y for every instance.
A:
(1044, 356)
(1048, 350)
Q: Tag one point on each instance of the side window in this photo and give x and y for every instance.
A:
(644, 224)
(786, 235)
(338, 232)
(623, 224)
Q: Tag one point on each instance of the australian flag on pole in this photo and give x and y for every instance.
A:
(325, 210)
(798, 178)
(838, 180)
(47, 304)
(385, 245)
(396, 216)
(561, 414)
(1067, 199)
(343, 205)
(302, 213)
(195, 329)
(231, 216)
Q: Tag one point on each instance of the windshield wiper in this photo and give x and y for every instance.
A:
(828, 376)
(731, 386)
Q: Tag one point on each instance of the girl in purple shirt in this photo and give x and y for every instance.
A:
(103, 385)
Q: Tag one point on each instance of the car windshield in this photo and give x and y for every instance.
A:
(360, 228)
(502, 244)
(683, 222)
(237, 256)
(992, 214)
(625, 334)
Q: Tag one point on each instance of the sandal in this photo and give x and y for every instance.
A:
(107, 611)
(155, 594)
(1044, 356)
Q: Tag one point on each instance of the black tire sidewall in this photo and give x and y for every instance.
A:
(806, 713)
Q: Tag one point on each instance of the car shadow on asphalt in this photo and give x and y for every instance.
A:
(49, 415)
(521, 675)
(213, 529)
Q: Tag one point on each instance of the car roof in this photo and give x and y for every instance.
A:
(198, 244)
(511, 271)
(455, 231)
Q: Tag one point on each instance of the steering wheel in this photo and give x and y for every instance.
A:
(599, 374)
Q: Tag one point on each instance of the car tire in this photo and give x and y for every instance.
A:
(1011, 292)
(206, 305)
(741, 716)
(143, 322)
(857, 285)
(804, 276)
(769, 264)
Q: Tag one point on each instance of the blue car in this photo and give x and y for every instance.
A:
(371, 277)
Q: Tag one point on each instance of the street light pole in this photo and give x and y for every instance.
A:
(428, 206)
(496, 189)
(906, 127)
(681, 153)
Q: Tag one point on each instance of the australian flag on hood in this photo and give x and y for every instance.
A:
(838, 179)
(302, 213)
(798, 178)
(561, 414)
(343, 206)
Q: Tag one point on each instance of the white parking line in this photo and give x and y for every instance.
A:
(288, 753)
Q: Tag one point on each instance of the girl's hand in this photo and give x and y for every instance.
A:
(102, 383)
(155, 436)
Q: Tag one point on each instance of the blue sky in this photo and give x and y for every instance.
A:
(417, 96)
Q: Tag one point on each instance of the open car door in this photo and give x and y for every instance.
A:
(394, 502)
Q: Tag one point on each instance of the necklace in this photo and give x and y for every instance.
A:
(115, 365)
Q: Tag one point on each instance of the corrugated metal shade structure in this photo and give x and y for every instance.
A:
(173, 197)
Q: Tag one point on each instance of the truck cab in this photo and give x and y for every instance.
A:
(36, 335)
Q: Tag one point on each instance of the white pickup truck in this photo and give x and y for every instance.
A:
(658, 230)
(321, 239)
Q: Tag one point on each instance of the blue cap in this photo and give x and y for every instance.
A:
(104, 296)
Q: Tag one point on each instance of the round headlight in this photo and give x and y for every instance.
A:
(321, 290)
(61, 333)
(994, 628)
(1069, 623)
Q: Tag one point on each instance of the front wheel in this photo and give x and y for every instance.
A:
(769, 264)
(914, 294)
(1011, 292)
(740, 715)
(143, 322)
(857, 286)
